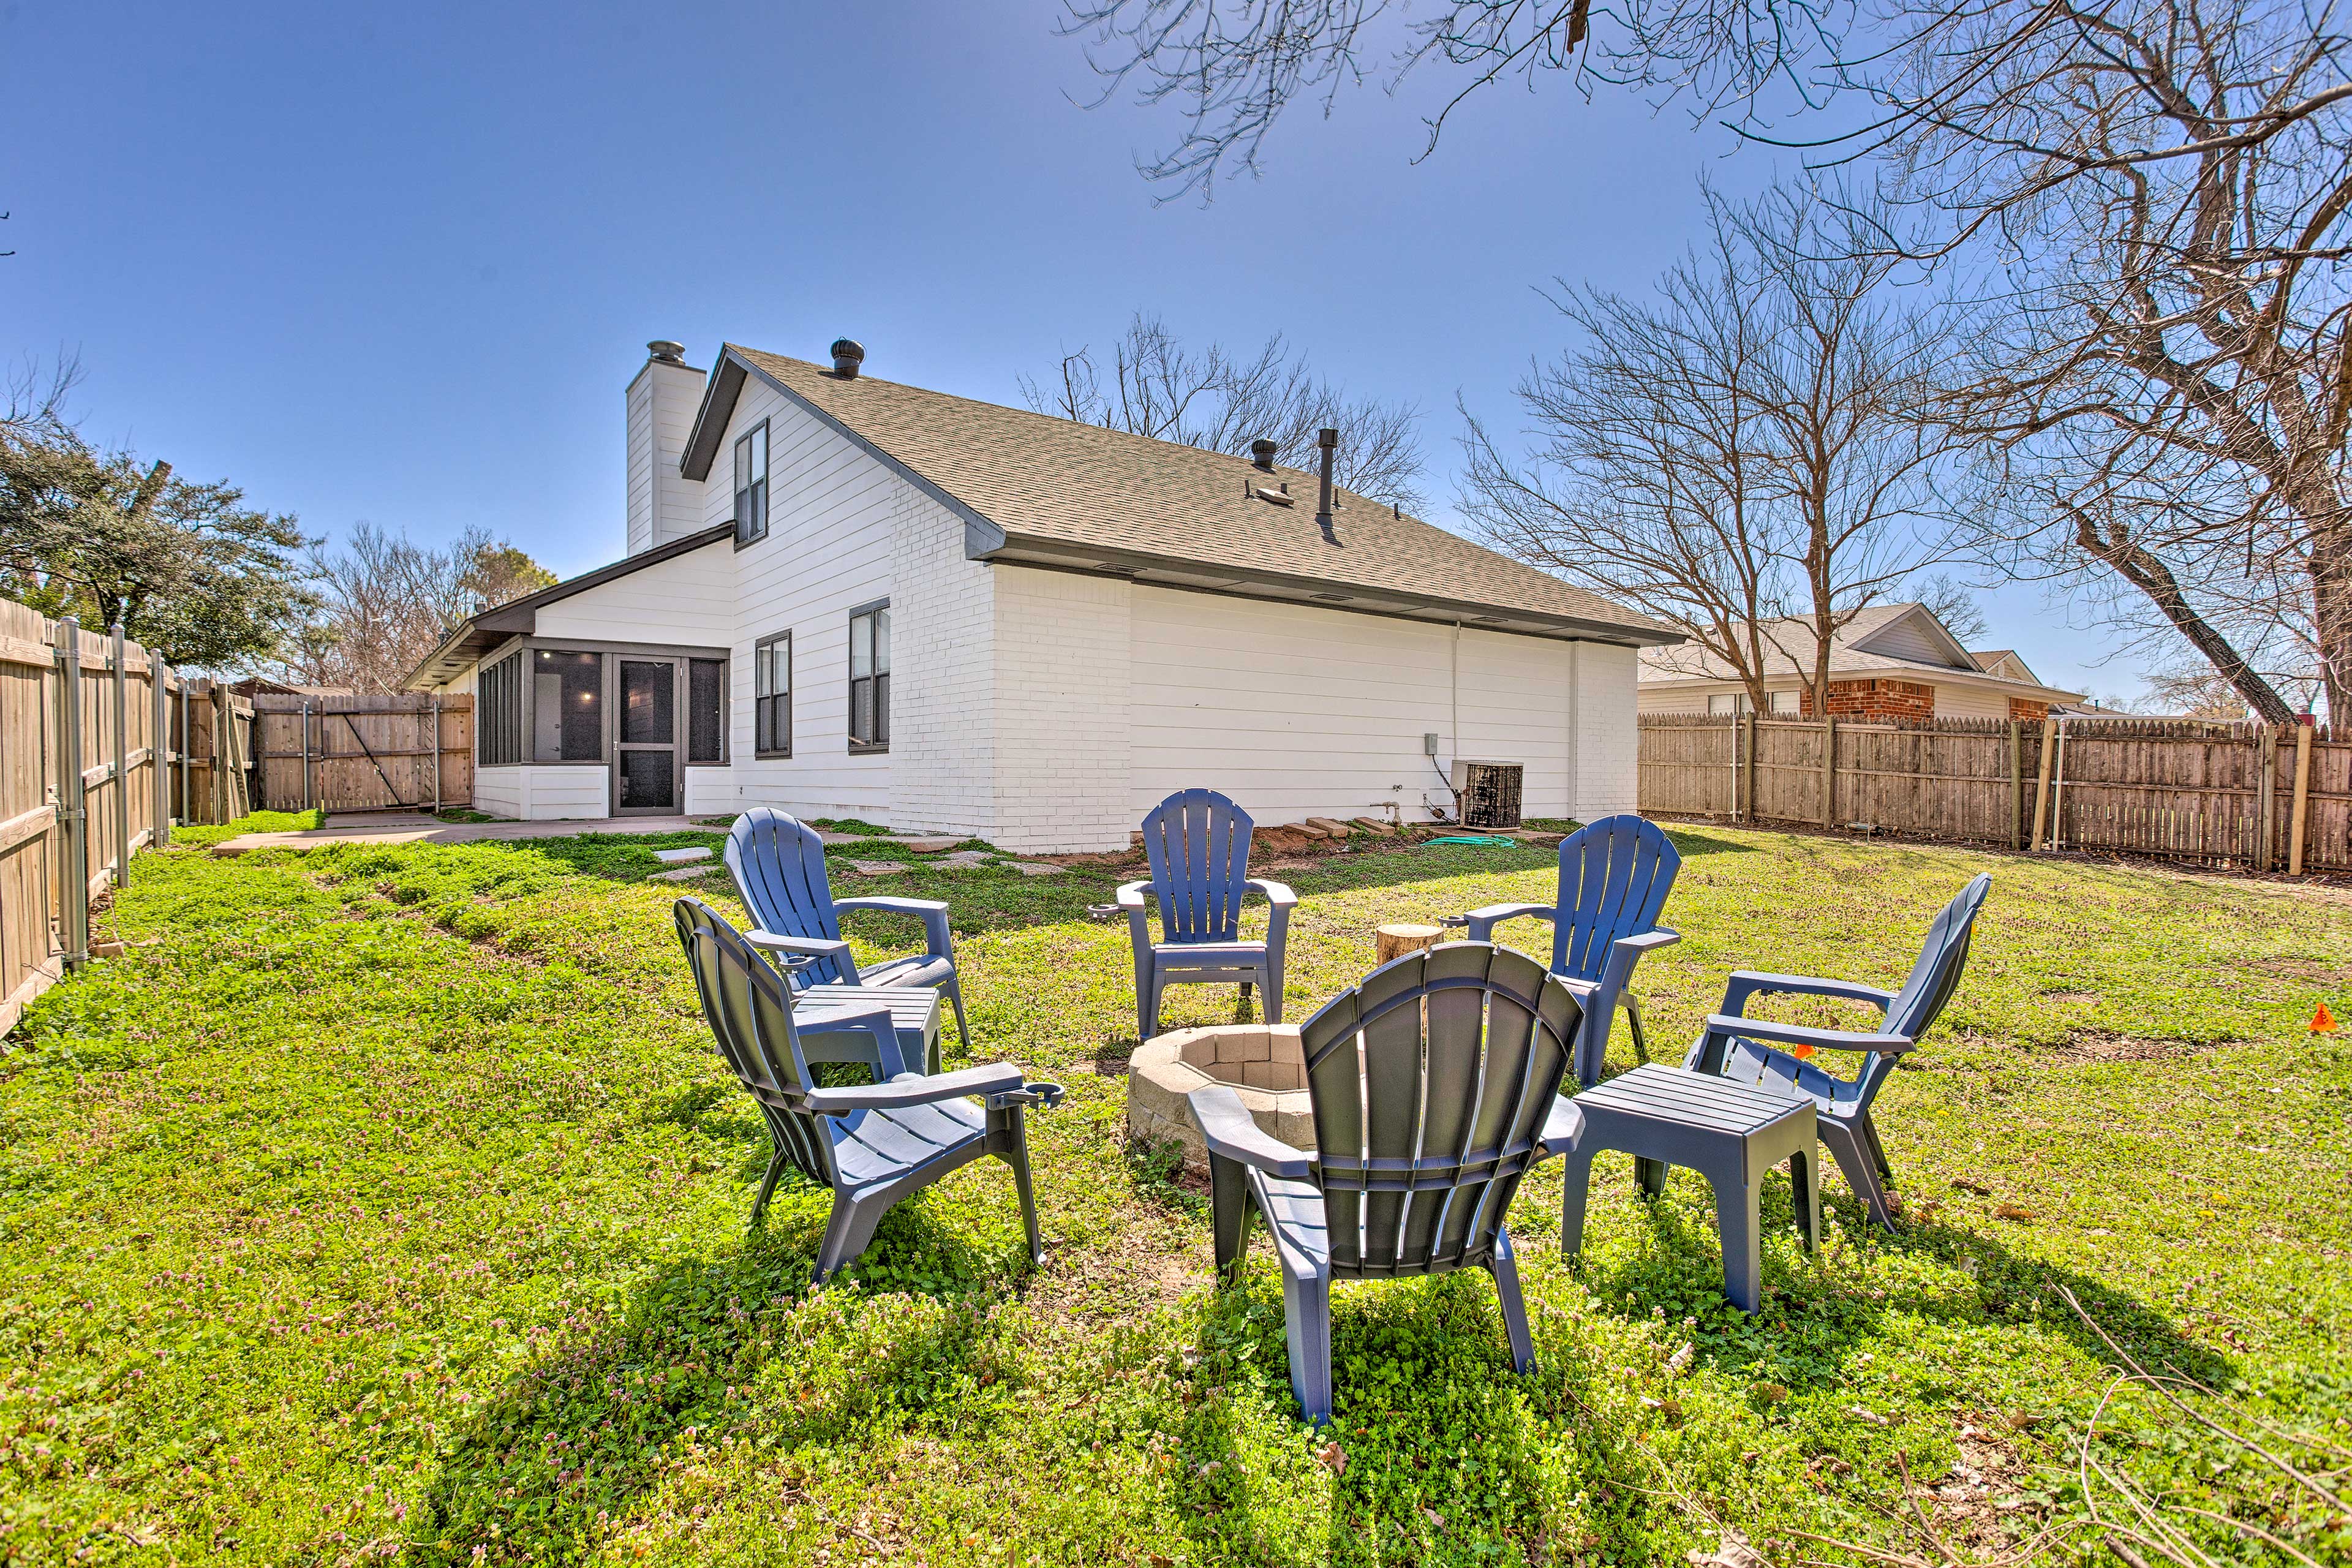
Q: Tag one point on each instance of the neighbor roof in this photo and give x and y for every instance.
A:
(1039, 490)
(1788, 655)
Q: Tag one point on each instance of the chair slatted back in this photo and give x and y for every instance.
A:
(1431, 1082)
(1937, 975)
(750, 1011)
(778, 864)
(1614, 876)
(1198, 843)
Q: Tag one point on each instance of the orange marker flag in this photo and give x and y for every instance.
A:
(2323, 1021)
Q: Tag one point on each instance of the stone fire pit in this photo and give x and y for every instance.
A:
(1263, 1062)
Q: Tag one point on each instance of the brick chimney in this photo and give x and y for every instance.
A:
(662, 399)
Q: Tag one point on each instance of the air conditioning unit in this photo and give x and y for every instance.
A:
(1488, 792)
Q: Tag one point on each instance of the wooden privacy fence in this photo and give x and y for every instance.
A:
(103, 747)
(2261, 797)
(408, 749)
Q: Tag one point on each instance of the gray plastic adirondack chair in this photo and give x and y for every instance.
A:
(1736, 1048)
(778, 864)
(1198, 843)
(1425, 1118)
(1614, 876)
(874, 1145)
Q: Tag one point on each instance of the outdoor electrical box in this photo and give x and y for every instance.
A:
(1429, 743)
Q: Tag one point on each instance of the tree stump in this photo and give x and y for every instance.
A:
(1396, 940)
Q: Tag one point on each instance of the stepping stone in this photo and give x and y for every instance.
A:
(927, 845)
(965, 858)
(680, 856)
(878, 867)
(1037, 868)
(686, 874)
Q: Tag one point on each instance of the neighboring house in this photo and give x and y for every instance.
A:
(1889, 662)
(847, 597)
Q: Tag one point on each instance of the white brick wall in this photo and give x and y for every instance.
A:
(1064, 649)
(942, 675)
(1606, 689)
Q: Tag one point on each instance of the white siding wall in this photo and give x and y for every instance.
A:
(832, 515)
(1656, 699)
(1296, 711)
(1062, 768)
(663, 504)
(530, 793)
(1608, 732)
(686, 601)
(1908, 636)
(1957, 702)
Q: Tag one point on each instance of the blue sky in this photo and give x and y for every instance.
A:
(397, 266)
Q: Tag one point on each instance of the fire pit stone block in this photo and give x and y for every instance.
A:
(1263, 1062)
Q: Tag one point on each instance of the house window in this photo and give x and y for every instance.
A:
(772, 696)
(1722, 702)
(706, 718)
(1783, 701)
(752, 485)
(497, 718)
(567, 707)
(869, 679)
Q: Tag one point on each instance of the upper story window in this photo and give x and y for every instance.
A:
(751, 485)
(869, 679)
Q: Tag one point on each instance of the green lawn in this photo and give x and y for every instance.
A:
(389, 1204)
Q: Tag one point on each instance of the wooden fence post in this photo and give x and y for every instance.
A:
(187, 749)
(2300, 813)
(73, 890)
(221, 730)
(2016, 784)
(121, 651)
(437, 753)
(1829, 772)
(159, 755)
(2266, 754)
(1747, 762)
(2042, 780)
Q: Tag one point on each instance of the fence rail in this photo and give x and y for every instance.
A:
(2262, 797)
(103, 747)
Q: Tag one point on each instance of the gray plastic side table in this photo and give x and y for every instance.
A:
(1728, 1133)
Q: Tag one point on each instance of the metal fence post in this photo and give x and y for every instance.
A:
(74, 875)
(121, 651)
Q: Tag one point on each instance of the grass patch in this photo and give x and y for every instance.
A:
(387, 1202)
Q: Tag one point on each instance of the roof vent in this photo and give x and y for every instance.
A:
(1328, 440)
(1261, 453)
(667, 353)
(847, 356)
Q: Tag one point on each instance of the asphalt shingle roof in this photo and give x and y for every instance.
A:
(1054, 481)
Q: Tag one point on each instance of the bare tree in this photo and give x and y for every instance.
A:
(1749, 455)
(388, 601)
(1154, 385)
(1954, 603)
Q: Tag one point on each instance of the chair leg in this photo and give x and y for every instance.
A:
(1869, 1131)
(1307, 1328)
(1650, 1175)
(1230, 1206)
(1241, 1006)
(954, 988)
(1505, 1268)
(848, 1231)
(1016, 1138)
(776, 1163)
(1805, 1192)
(1633, 1023)
(1147, 1004)
(1737, 1222)
(1861, 1171)
(1575, 1187)
(1272, 989)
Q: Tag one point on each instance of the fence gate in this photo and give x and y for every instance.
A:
(406, 751)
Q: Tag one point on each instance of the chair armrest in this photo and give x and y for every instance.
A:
(1226, 1128)
(1646, 941)
(812, 947)
(933, 914)
(1747, 983)
(1131, 896)
(1727, 1026)
(914, 1088)
(1138, 923)
(1482, 921)
(1563, 1128)
(1041, 1093)
(1278, 894)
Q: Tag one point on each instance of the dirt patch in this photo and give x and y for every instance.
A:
(2315, 970)
(2106, 1046)
(1966, 1502)
(2062, 995)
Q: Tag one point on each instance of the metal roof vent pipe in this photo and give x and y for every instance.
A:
(1328, 440)
(847, 356)
(1261, 453)
(667, 351)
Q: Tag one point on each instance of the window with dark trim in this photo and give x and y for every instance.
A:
(772, 696)
(751, 485)
(869, 679)
(498, 717)
(706, 709)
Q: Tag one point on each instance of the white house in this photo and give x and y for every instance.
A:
(847, 597)
(1888, 662)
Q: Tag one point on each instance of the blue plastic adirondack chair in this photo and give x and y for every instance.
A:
(1198, 843)
(1736, 1048)
(1614, 876)
(1435, 1085)
(778, 864)
(874, 1145)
